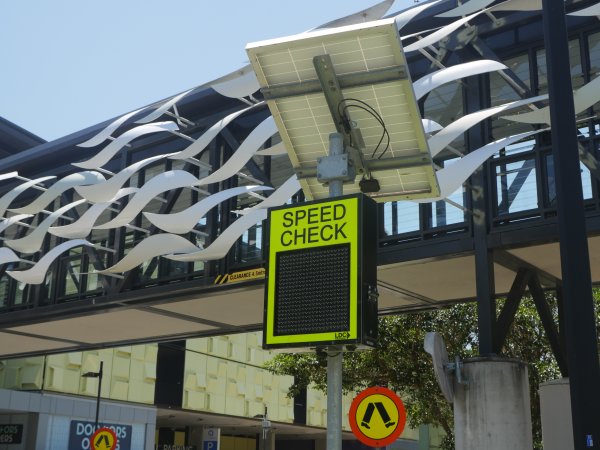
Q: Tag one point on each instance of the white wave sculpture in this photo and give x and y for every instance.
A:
(440, 77)
(583, 98)
(105, 191)
(219, 248)
(103, 156)
(245, 151)
(439, 34)
(62, 185)
(164, 107)
(34, 240)
(83, 226)
(206, 138)
(593, 10)
(8, 256)
(445, 136)
(37, 273)
(5, 223)
(279, 197)
(184, 221)
(466, 8)
(155, 245)
(452, 177)
(8, 198)
(409, 14)
(173, 179)
(103, 135)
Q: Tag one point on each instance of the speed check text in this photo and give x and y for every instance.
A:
(321, 223)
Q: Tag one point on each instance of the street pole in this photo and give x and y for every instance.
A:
(98, 398)
(579, 316)
(335, 354)
(99, 376)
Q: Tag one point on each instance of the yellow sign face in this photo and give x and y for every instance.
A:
(303, 241)
(104, 439)
(377, 417)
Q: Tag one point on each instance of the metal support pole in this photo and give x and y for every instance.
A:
(335, 355)
(98, 398)
(579, 317)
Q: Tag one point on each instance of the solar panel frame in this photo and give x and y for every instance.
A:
(305, 121)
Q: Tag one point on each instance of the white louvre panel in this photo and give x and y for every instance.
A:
(305, 121)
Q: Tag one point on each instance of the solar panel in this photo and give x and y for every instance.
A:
(368, 63)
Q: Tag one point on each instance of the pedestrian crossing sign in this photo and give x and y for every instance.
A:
(377, 416)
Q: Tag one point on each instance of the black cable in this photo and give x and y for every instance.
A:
(342, 111)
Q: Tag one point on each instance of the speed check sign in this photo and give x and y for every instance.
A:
(322, 274)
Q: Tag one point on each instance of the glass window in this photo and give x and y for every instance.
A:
(574, 61)
(500, 90)
(516, 187)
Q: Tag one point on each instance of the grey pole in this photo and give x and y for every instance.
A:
(335, 353)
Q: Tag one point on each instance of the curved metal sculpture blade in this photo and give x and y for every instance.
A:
(593, 10)
(245, 151)
(163, 182)
(8, 198)
(184, 221)
(444, 137)
(106, 190)
(432, 81)
(8, 256)
(583, 98)
(452, 177)
(37, 273)
(106, 132)
(8, 176)
(279, 197)
(83, 226)
(219, 248)
(466, 8)
(155, 245)
(366, 15)
(409, 14)
(430, 126)
(163, 108)
(102, 157)
(518, 5)
(62, 185)
(34, 240)
(238, 84)
(274, 150)
(4, 224)
(208, 135)
(439, 34)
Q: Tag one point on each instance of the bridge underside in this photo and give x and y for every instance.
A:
(170, 312)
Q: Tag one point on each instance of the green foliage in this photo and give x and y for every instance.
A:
(401, 364)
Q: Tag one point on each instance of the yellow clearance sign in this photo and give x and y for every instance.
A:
(312, 277)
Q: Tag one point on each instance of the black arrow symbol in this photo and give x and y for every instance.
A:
(102, 438)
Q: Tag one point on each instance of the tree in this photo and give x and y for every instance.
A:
(401, 364)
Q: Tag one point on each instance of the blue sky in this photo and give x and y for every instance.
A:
(69, 64)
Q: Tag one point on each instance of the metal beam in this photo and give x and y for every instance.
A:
(580, 318)
(345, 82)
(510, 308)
(537, 293)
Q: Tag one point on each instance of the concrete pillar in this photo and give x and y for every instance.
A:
(492, 410)
(555, 408)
